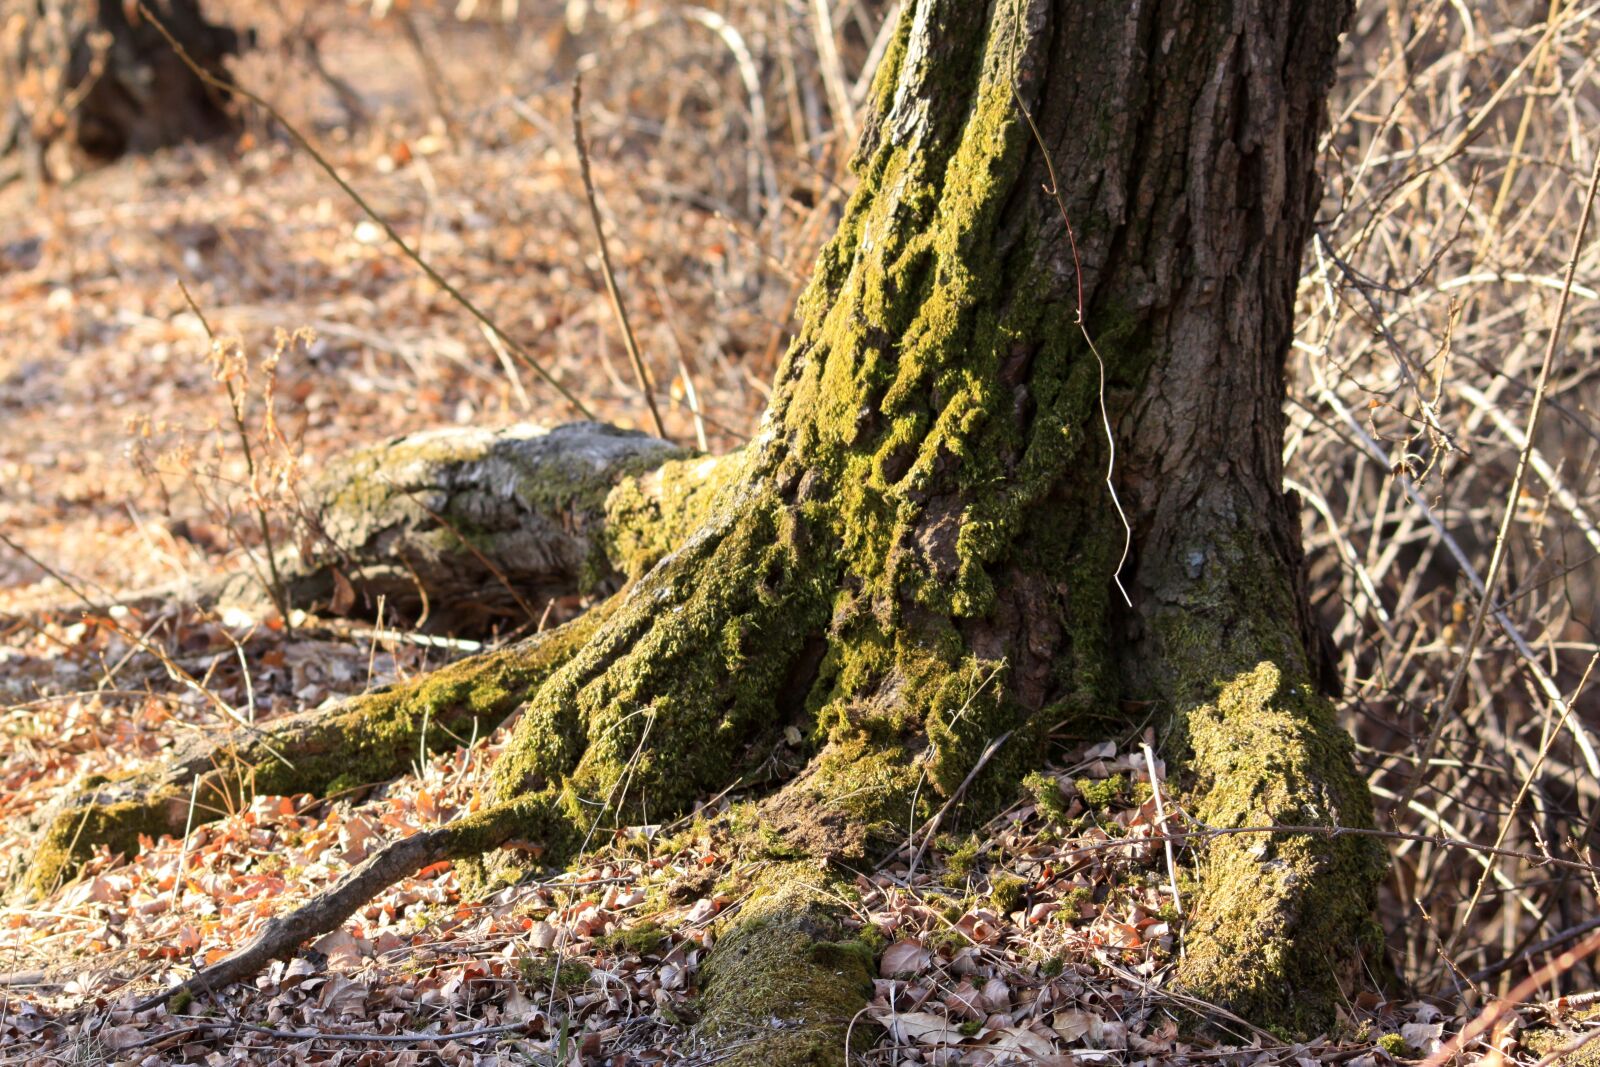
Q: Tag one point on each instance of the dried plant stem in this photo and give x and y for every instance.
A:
(628, 340)
(276, 588)
(1161, 821)
(1499, 1009)
(1516, 806)
(833, 78)
(1547, 684)
(1497, 558)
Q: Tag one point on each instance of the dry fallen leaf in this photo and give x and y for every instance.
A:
(1424, 1037)
(1072, 1025)
(904, 957)
(920, 1027)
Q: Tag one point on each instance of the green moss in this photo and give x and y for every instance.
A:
(649, 515)
(1395, 1045)
(73, 834)
(638, 940)
(785, 956)
(1073, 900)
(1046, 793)
(666, 703)
(1101, 793)
(567, 975)
(1546, 1040)
(1006, 893)
(1271, 908)
(963, 860)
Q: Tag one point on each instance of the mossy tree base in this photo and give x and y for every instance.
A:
(908, 574)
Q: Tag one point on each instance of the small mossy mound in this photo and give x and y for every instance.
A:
(786, 978)
(540, 974)
(1561, 1033)
(1395, 1045)
(1270, 929)
(638, 940)
(1101, 793)
(72, 836)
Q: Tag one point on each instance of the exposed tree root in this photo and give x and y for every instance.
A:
(462, 525)
(364, 740)
(468, 525)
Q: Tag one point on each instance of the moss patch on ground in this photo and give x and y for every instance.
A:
(786, 978)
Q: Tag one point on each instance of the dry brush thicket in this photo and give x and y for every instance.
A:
(1456, 177)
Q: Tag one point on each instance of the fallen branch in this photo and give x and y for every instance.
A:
(327, 911)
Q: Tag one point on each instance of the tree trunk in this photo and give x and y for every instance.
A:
(918, 554)
(94, 76)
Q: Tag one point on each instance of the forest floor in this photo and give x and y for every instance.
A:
(1046, 936)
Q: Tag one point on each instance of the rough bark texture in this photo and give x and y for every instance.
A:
(915, 554)
(93, 76)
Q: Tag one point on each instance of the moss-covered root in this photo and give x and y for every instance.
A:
(786, 979)
(1274, 912)
(470, 523)
(364, 740)
(327, 911)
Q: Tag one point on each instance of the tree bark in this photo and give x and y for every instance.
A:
(918, 553)
(94, 76)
